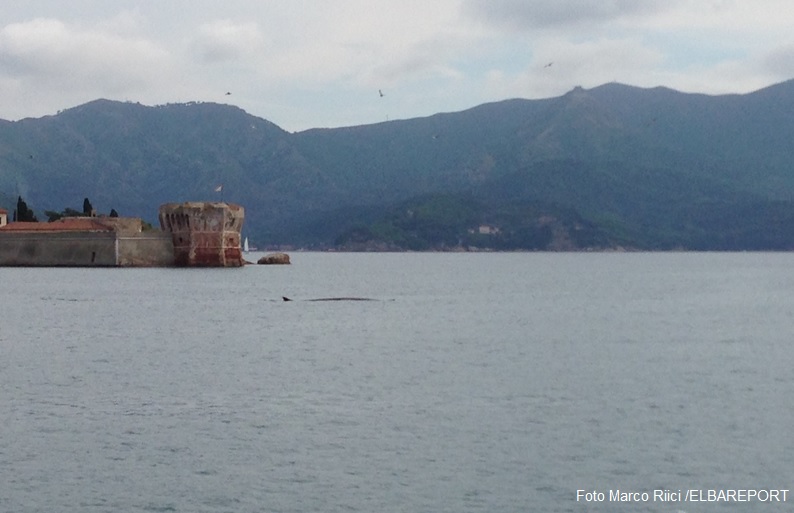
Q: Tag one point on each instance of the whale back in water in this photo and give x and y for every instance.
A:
(285, 298)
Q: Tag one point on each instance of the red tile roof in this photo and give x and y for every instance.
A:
(67, 224)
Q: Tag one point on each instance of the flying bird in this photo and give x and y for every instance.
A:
(548, 65)
(380, 93)
(228, 93)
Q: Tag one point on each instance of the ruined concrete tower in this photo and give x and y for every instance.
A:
(204, 234)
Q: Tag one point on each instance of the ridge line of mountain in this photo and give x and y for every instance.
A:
(612, 166)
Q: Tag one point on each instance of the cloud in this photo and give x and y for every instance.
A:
(312, 61)
(348, 44)
(527, 14)
(585, 64)
(46, 51)
(633, 61)
(780, 62)
(225, 40)
(419, 61)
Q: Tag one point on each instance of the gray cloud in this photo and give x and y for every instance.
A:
(225, 40)
(523, 14)
(780, 62)
(312, 61)
(62, 65)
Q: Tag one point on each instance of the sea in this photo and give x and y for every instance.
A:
(469, 382)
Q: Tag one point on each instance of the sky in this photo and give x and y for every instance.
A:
(329, 63)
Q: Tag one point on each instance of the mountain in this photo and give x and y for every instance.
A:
(612, 166)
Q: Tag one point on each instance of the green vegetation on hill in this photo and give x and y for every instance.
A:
(613, 166)
(462, 222)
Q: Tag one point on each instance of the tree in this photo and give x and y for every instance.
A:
(88, 209)
(113, 213)
(23, 213)
(52, 215)
(67, 212)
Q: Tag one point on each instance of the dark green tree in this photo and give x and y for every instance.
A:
(23, 213)
(113, 213)
(52, 215)
(88, 209)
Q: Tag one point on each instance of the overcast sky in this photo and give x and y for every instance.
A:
(321, 63)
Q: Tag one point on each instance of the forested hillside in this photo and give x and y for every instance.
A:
(614, 166)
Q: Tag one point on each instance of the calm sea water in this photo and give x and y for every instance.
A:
(476, 383)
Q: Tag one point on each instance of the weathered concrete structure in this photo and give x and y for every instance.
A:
(204, 234)
(194, 234)
(84, 242)
(3, 217)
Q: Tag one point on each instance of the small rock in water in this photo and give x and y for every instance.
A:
(274, 259)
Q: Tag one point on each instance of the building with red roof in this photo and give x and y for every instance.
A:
(84, 242)
(66, 224)
(194, 234)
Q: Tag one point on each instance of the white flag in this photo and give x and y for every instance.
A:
(219, 188)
